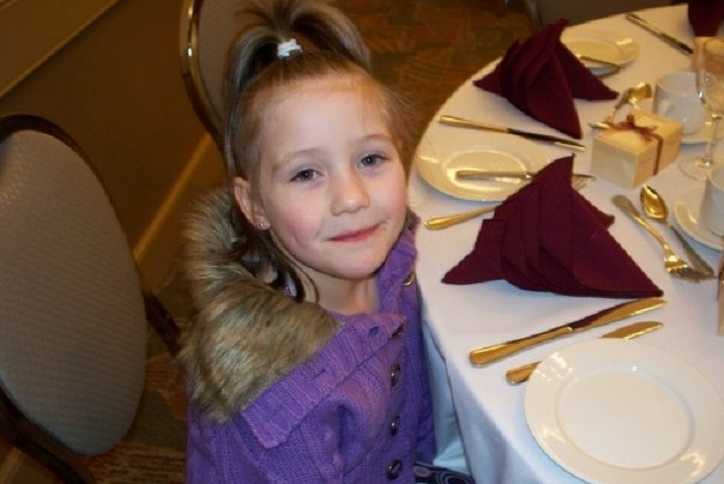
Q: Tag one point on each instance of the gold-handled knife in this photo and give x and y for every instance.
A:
(489, 354)
(477, 174)
(439, 223)
(631, 331)
(466, 123)
(676, 43)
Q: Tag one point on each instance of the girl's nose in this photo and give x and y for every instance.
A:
(349, 194)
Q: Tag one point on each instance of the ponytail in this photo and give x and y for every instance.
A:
(274, 22)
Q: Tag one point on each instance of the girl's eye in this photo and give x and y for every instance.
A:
(305, 175)
(372, 160)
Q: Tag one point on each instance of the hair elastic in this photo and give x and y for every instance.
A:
(288, 48)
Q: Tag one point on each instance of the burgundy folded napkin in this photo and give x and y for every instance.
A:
(705, 16)
(540, 76)
(547, 237)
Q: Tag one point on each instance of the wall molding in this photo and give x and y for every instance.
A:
(32, 31)
(159, 247)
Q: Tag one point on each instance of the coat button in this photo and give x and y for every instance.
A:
(395, 426)
(393, 469)
(395, 374)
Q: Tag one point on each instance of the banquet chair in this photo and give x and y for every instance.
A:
(207, 30)
(73, 315)
(544, 12)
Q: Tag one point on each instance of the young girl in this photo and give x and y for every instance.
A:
(305, 361)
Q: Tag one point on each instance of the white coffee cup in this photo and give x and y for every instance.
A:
(712, 205)
(676, 98)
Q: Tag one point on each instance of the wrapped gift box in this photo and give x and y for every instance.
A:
(636, 148)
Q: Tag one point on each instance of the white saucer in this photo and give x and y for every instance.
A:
(611, 410)
(686, 214)
(605, 45)
(446, 149)
(703, 135)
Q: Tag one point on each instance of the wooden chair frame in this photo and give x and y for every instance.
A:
(191, 71)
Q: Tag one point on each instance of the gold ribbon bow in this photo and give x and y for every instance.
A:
(646, 132)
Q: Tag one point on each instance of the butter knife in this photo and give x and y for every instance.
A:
(631, 331)
(466, 123)
(474, 174)
(488, 354)
(676, 43)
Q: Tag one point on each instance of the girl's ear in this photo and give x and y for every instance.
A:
(252, 210)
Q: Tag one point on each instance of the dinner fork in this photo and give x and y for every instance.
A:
(675, 265)
(439, 223)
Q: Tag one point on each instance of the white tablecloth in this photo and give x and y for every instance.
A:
(495, 436)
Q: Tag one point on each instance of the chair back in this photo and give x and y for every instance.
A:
(72, 322)
(544, 12)
(208, 28)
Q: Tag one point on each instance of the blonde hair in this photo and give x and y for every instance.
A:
(330, 46)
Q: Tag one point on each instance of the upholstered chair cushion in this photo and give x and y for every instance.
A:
(72, 323)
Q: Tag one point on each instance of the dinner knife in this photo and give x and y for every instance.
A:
(488, 354)
(466, 123)
(631, 331)
(676, 43)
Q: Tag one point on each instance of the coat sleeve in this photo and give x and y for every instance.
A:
(210, 459)
(304, 459)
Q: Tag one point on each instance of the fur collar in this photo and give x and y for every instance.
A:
(245, 336)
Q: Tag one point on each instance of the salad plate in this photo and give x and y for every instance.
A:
(599, 44)
(446, 149)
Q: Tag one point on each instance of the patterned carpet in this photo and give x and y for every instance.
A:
(425, 48)
(422, 48)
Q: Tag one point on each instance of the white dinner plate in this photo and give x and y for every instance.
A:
(686, 214)
(617, 411)
(703, 135)
(600, 44)
(446, 149)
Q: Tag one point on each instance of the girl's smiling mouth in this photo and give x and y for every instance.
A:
(356, 235)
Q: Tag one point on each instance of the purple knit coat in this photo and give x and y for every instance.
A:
(357, 411)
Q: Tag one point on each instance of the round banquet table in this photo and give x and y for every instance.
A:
(476, 411)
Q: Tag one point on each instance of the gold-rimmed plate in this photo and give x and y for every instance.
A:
(619, 411)
(606, 45)
(444, 150)
(687, 216)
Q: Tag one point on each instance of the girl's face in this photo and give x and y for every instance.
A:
(331, 183)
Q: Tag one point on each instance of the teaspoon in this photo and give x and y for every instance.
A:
(632, 96)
